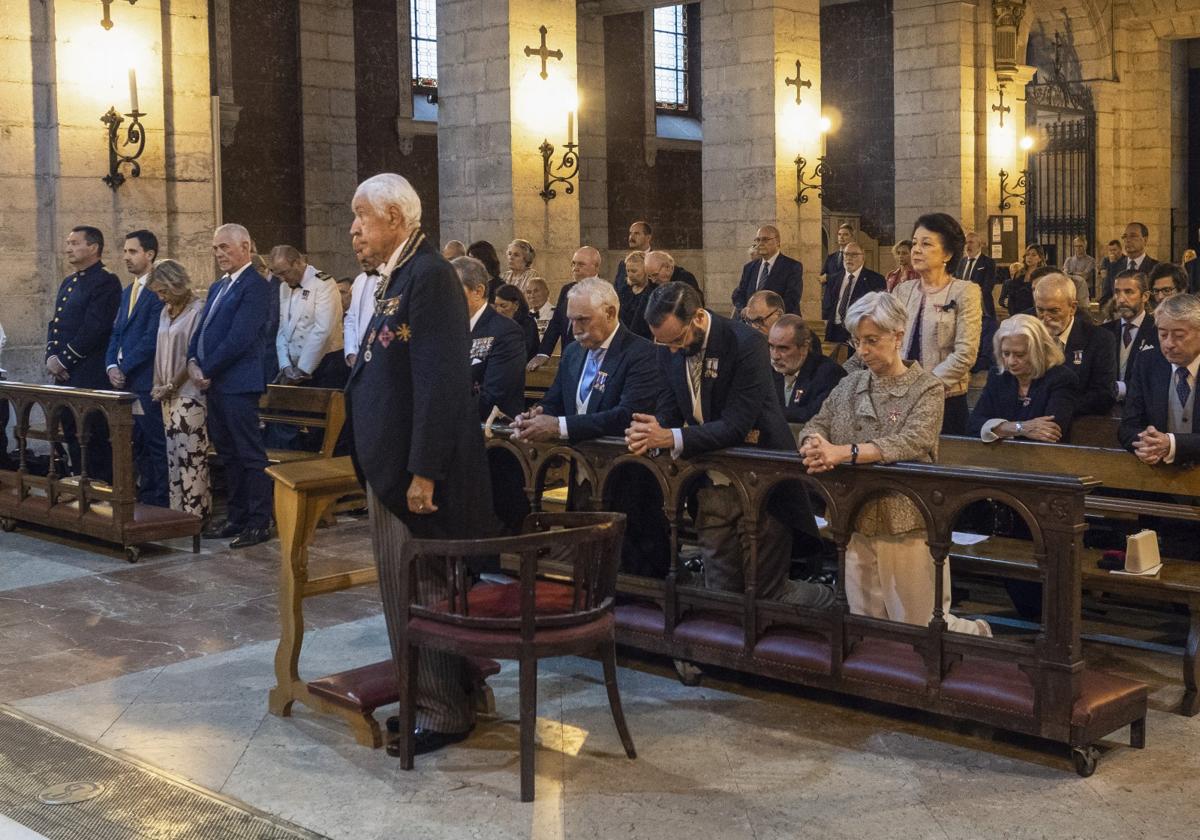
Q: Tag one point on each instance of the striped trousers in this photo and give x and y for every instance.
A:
(444, 702)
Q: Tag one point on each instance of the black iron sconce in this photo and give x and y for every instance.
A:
(134, 140)
(815, 181)
(567, 169)
(1007, 196)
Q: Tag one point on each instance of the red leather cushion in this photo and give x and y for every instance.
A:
(503, 600)
(1099, 691)
(481, 639)
(885, 661)
(990, 684)
(641, 618)
(371, 686)
(711, 630)
(794, 647)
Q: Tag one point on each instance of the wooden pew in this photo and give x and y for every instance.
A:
(79, 504)
(1041, 687)
(1179, 580)
(538, 382)
(304, 408)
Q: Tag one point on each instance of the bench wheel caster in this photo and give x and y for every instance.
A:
(8, 525)
(688, 673)
(1085, 759)
(132, 553)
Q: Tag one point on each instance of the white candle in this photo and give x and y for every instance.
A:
(570, 127)
(133, 103)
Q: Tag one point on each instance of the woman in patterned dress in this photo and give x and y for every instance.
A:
(184, 406)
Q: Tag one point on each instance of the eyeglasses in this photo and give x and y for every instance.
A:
(758, 240)
(1163, 292)
(760, 321)
(680, 341)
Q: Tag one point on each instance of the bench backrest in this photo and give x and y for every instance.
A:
(296, 405)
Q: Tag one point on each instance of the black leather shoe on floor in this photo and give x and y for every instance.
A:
(251, 536)
(221, 531)
(427, 741)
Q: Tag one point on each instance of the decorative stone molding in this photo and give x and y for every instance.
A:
(1007, 16)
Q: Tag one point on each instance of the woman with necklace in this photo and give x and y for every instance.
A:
(184, 408)
(945, 314)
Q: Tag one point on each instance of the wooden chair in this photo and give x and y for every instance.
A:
(526, 620)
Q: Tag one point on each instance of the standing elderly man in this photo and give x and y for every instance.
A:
(980, 269)
(770, 271)
(225, 360)
(418, 447)
(130, 361)
(76, 340)
(1090, 351)
(831, 272)
(584, 263)
(855, 282)
(309, 342)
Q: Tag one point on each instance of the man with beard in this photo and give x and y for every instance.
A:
(1132, 326)
(1090, 351)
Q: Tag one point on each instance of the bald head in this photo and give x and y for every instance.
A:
(659, 267)
(766, 241)
(585, 263)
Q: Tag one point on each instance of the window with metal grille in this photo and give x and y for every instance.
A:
(671, 59)
(423, 26)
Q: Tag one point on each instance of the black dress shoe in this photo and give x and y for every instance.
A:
(221, 532)
(427, 741)
(251, 536)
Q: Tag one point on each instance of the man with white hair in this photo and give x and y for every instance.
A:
(454, 249)
(661, 268)
(225, 361)
(1090, 351)
(418, 446)
(585, 263)
(1159, 423)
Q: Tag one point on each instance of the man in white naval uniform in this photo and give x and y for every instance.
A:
(309, 341)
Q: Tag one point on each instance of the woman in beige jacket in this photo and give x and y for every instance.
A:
(887, 410)
(945, 314)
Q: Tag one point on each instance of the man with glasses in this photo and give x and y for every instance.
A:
(770, 271)
(855, 282)
(716, 391)
(762, 311)
(1167, 280)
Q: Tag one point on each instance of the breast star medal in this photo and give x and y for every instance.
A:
(894, 416)
(404, 333)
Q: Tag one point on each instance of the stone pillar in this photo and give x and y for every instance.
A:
(935, 109)
(330, 133)
(753, 131)
(494, 113)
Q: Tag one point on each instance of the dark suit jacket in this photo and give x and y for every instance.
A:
(682, 275)
(529, 335)
(78, 333)
(815, 379)
(1193, 273)
(134, 338)
(1092, 354)
(270, 330)
(867, 281)
(626, 383)
(983, 275)
(833, 269)
(633, 310)
(1145, 336)
(559, 327)
(498, 364)
(1146, 405)
(786, 279)
(229, 349)
(1148, 264)
(410, 405)
(1056, 394)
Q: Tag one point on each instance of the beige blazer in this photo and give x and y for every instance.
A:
(957, 329)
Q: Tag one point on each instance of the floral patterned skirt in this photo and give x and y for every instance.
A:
(187, 448)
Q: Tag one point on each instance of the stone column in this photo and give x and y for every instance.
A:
(753, 132)
(935, 109)
(329, 132)
(494, 113)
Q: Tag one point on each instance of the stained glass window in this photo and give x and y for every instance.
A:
(423, 22)
(671, 58)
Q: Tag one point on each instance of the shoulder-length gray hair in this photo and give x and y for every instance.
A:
(1044, 351)
(882, 308)
(172, 276)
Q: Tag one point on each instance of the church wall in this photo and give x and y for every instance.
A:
(856, 81)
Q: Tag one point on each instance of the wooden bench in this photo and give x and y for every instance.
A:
(1040, 686)
(79, 504)
(538, 382)
(1179, 580)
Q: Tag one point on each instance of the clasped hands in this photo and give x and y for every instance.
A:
(645, 434)
(1042, 429)
(820, 455)
(1152, 446)
(534, 425)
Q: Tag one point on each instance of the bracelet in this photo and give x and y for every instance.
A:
(853, 454)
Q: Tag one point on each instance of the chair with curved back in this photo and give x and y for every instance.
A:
(526, 619)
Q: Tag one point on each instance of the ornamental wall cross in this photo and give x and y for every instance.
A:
(543, 52)
(798, 82)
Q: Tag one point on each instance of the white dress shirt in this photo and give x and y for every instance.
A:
(697, 401)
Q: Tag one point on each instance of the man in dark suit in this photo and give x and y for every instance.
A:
(1090, 351)
(1133, 243)
(640, 238)
(497, 346)
(584, 263)
(1159, 423)
(225, 360)
(76, 339)
(418, 446)
(772, 271)
(980, 269)
(661, 268)
(854, 282)
(803, 377)
(130, 361)
(831, 272)
(1133, 327)
(1168, 280)
(716, 391)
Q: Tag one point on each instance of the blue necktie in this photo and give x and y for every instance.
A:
(212, 311)
(590, 369)
(1182, 389)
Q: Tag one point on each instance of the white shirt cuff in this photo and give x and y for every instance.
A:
(562, 427)
(1170, 459)
(986, 434)
(541, 356)
(110, 367)
(677, 450)
(1120, 391)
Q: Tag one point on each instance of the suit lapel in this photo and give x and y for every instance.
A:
(714, 359)
(574, 357)
(679, 382)
(1159, 407)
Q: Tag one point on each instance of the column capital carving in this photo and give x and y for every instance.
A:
(1007, 16)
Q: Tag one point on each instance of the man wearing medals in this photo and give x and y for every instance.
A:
(418, 445)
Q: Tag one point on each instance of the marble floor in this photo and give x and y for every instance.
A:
(170, 661)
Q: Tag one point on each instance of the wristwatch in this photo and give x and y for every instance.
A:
(1019, 427)
(853, 454)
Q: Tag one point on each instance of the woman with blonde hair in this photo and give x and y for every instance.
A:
(184, 408)
(902, 251)
(519, 255)
(1030, 394)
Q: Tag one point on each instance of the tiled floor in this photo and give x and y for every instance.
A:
(171, 662)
